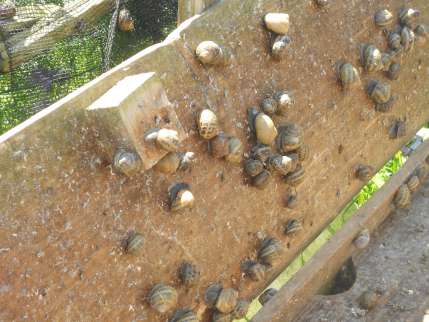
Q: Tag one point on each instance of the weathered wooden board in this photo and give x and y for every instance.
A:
(64, 212)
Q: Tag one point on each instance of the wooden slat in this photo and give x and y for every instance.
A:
(322, 267)
(190, 8)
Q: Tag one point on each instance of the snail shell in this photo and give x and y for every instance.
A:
(253, 167)
(383, 18)
(269, 106)
(394, 41)
(381, 94)
(227, 300)
(162, 298)
(321, 3)
(266, 131)
(421, 33)
(270, 251)
(210, 53)
(127, 162)
(289, 138)
(284, 101)
(267, 295)
(408, 16)
(368, 300)
(261, 152)
(169, 164)
(422, 172)
(407, 38)
(188, 274)
(184, 315)
(277, 22)
(241, 309)
(393, 72)
(348, 76)
(362, 240)
(252, 112)
(254, 270)
(402, 197)
(186, 159)
(413, 183)
(364, 172)
(279, 46)
(208, 125)
(211, 295)
(371, 58)
(134, 243)
(125, 20)
(291, 199)
(180, 196)
(292, 227)
(235, 150)
(398, 129)
(281, 164)
(219, 146)
(303, 152)
(261, 180)
(165, 138)
(221, 317)
(296, 177)
(386, 61)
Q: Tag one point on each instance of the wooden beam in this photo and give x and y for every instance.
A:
(190, 8)
(322, 267)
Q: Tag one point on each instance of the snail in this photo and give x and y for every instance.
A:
(383, 18)
(188, 274)
(371, 58)
(413, 183)
(296, 177)
(235, 150)
(279, 46)
(162, 298)
(363, 172)
(227, 300)
(284, 101)
(241, 309)
(184, 315)
(281, 164)
(407, 38)
(180, 196)
(321, 3)
(368, 300)
(422, 34)
(362, 240)
(291, 199)
(303, 152)
(292, 226)
(270, 251)
(265, 129)
(393, 72)
(267, 295)
(175, 161)
(394, 41)
(422, 172)
(402, 197)
(210, 53)
(261, 152)
(219, 146)
(125, 20)
(127, 162)
(348, 76)
(221, 317)
(289, 138)
(381, 94)
(277, 22)
(252, 112)
(269, 106)
(165, 138)
(211, 294)
(386, 61)
(134, 243)
(254, 270)
(208, 125)
(261, 180)
(253, 167)
(407, 16)
(398, 129)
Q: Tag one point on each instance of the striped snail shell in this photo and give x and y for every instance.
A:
(393, 72)
(281, 164)
(127, 162)
(253, 167)
(188, 274)
(254, 270)
(184, 315)
(134, 243)
(235, 150)
(413, 183)
(289, 138)
(408, 38)
(262, 180)
(227, 300)
(292, 226)
(364, 172)
(371, 58)
(383, 18)
(296, 177)
(162, 298)
(348, 76)
(394, 40)
(270, 251)
(408, 16)
(261, 152)
(211, 294)
(398, 129)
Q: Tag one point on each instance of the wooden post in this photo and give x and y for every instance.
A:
(190, 8)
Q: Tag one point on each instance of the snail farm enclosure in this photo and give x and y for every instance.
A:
(160, 161)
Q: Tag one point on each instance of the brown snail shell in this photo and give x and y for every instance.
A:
(348, 76)
(261, 180)
(252, 112)
(270, 251)
(267, 295)
(253, 167)
(371, 58)
(303, 152)
(266, 131)
(394, 41)
(281, 164)
(261, 152)
(169, 164)
(402, 197)
(289, 138)
(383, 18)
(296, 177)
(291, 199)
(208, 125)
(235, 150)
(210, 53)
(279, 46)
(363, 239)
(227, 300)
(254, 270)
(398, 129)
(292, 226)
(277, 22)
(163, 298)
(188, 274)
(127, 162)
(368, 300)
(408, 16)
(184, 315)
(381, 94)
(134, 243)
(393, 72)
(284, 101)
(422, 172)
(180, 196)
(241, 309)
(211, 295)
(269, 106)
(125, 20)
(221, 317)
(364, 172)
(407, 38)
(165, 138)
(413, 183)
(219, 146)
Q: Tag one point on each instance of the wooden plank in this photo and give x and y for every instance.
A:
(322, 267)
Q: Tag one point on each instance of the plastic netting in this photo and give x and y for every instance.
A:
(48, 48)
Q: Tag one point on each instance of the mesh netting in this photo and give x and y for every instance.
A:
(48, 48)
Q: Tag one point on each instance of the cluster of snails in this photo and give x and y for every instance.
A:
(402, 197)
(225, 303)
(278, 25)
(221, 145)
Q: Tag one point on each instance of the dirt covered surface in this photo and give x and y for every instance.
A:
(392, 275)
